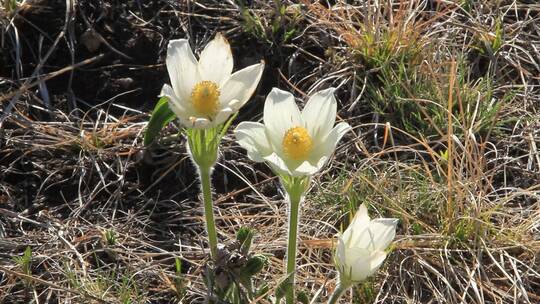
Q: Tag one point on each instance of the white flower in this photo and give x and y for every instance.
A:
(293, 142)
(361, 248)
(204, 93)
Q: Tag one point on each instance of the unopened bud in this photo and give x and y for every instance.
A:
(254, 265)
(245, 238)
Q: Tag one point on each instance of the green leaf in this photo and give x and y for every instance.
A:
(254, 265)
(302, 297)
(283, 288)
(161, 116)
(178, 265)
(245, 238)
(263, 290)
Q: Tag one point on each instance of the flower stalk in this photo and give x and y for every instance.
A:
(203, 146)
(209, 210)
(338, 292)
(295, 187)
(294, 203)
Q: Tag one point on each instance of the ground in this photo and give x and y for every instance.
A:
(443, 98)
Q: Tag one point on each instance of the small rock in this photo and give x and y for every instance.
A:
(91, 40)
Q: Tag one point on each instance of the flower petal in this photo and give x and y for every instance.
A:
(280, 114)
(252, 137)
(358, 264)
(375, 261)
(340, 252)
(361, 217)
(199, 123)
(328, 145)
(319, 114)
(384, 231)
(182, 67)
(240, 86)
(277, 163)
(222, 116)
(216, 61)
(359, 223)
(378, 235)
(305, 168)
(175, 104)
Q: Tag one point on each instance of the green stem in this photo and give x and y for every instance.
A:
(291, 246)
(338, 292)
(208, 210)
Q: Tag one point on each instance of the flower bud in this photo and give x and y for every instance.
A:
(254, 265)
(361, 248)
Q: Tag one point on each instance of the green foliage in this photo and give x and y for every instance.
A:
(467, 5)
(25, 264)
(107, 283)
(347, 193)
(161, 116)
(488, 41)
(400, 82)
(386, 49)
(231, 277)
(253, 266)
(302, 297)
(389, 192)
(365, 292)
(179, 280)
(10, 6)
(280, 27)
(463, 230)
(204, 143)
(283, 288)
(110, 237)
(417, 101)
(245, 237)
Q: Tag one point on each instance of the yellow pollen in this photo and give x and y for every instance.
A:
(205, 98)
(297, 143)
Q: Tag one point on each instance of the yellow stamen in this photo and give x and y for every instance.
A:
(297, 143)
(205, 98)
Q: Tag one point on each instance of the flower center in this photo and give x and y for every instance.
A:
(205, 98)
(297, 143)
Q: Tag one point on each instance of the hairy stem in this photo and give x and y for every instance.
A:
(292, 244)
(338, 292)
(208, 210)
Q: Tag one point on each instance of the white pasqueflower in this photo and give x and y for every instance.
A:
(361, 248)
(293, 142)
(204, 93)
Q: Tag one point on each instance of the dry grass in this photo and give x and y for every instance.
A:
(106, 219)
